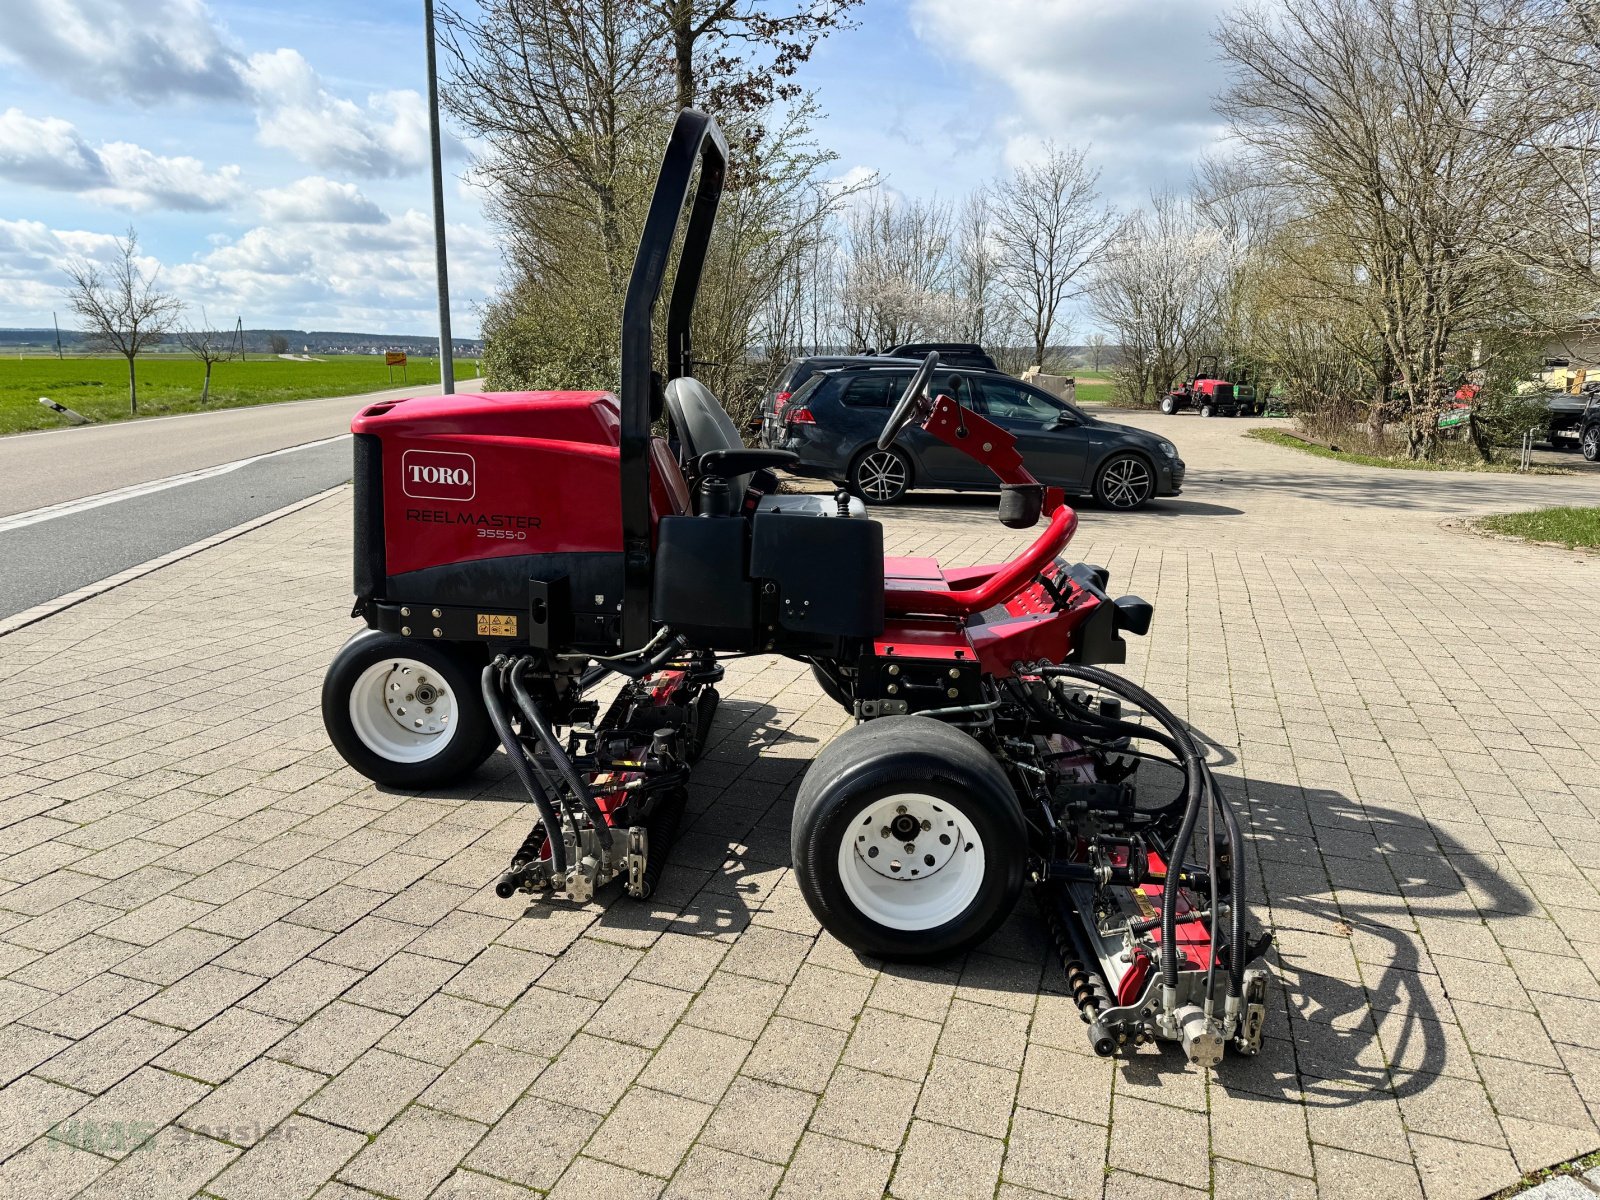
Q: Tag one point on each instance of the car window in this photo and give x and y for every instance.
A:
(802, 394)
(1009, 401)
(791, 376)
(874, 389)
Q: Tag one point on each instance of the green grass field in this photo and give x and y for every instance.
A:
(1095, 387)
(1571, 526)
(98, 387)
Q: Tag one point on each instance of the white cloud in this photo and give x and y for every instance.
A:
(141, 180)
(297, 113)
(317, 199)
(1135, 77)
(47, 152)
(146, 51)
(50, 153)
(377, 277)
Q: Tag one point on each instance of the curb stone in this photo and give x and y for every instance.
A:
(49, 608)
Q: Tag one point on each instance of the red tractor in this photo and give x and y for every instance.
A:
(539, 573)
(1208, 392)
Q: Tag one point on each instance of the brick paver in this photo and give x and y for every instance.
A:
(230, 965)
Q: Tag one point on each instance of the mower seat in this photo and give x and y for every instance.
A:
(702, 425)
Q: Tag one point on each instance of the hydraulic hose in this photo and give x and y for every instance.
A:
(535, 720)
(1195, 786)
(1236, 963)
(521, 765)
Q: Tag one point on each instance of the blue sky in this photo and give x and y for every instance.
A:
(273, 155)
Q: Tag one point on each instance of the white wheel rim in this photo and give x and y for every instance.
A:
(1127, 483)
(403, 710)
(911, 880)
(882, 475)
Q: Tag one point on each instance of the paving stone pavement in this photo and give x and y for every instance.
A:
(230, 966)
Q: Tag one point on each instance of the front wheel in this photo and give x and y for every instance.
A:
(1125, 482)
(1591, 444)
(1169, 405)
(1206, 410)
(406, 713)
(908, 842)
(881, 476)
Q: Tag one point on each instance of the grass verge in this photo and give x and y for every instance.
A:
(1573, 527)
(97, 386)
(1278, 437)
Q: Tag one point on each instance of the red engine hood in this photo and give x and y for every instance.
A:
(590, 417)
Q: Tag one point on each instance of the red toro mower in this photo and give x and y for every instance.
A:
(513, 552)
(1212, 395)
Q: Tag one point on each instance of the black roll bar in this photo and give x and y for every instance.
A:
(695, 139)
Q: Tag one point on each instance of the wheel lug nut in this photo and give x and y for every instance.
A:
(926, 825)
(410, 696)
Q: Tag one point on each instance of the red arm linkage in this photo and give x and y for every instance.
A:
(995, 448)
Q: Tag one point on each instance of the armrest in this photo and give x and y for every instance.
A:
(727, 464)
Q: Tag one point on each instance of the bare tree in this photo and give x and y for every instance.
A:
(975, 273)
(738, 57)
(1156, 288)
(896, 277)
(277, 343)
(1094, 348)
(121, 305)
(209, 345)
(1400, 125)
(1049, 227)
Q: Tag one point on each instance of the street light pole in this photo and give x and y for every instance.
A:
(447, 366)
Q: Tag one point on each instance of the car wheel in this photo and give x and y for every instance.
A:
(907, 840)
(1206, 410)
(1125, 482)
(1591, 443)
(881, 476)
(405, 713)
(1169, 405)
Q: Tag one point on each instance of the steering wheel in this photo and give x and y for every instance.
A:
(907, 408)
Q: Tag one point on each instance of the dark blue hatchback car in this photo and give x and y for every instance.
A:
(833, 420)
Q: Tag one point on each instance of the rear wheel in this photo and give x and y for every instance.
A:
(1125, 482)
(907, 839)
(881, 476)
(1591, 443)
(406, 714)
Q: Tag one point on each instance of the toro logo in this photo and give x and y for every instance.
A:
(437, 475)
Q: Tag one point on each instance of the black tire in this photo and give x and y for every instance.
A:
(458, 667)
(934, 766)
(1206, 410)
(881, 476)
(1591, 443)
(1169, 405)
(1125, 482)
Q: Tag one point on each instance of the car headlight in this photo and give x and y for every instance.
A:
(1168, 449)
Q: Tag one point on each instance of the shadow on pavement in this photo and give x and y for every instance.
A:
(1338, 881)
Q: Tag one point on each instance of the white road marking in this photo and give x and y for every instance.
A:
(69, 507)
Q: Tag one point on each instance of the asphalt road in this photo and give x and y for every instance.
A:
(57, 465)
(60, 530)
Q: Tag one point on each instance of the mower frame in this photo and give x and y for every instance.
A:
(991, 749)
